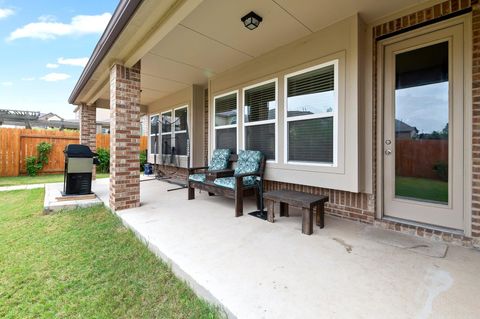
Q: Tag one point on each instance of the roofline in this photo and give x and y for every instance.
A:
(122, 15)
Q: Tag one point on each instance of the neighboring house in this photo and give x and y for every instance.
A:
(404, 131)
(33, 119)
(341, 63)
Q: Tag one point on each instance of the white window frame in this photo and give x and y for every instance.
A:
(165, 133)
(333, 114)
(236, 126)
(180, 131)
(274, 121)
(150, 133)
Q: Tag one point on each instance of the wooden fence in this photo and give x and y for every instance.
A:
(17, 144)
(417, 158)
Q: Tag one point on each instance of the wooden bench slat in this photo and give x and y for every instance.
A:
(294, 198)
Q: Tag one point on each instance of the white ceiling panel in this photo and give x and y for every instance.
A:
(183, 73)
(220, 20)
(189, 47)
(317, 14)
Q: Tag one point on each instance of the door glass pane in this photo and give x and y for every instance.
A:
(421, 124)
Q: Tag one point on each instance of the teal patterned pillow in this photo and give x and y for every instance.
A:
(248, 162)
(220, 159)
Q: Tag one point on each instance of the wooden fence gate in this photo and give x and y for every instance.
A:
(17, 144)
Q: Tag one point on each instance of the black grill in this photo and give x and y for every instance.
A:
(79, 161)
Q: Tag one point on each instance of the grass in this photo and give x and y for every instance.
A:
(82, 264)
(421, 188)
(41, 179)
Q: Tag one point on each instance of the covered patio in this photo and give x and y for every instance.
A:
(256, 269)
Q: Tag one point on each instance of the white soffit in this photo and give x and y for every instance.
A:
(220, 20)
(317, 14)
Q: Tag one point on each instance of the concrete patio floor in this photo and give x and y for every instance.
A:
(255, 269)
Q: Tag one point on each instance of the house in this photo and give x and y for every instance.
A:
(316, 85)
(404, 131)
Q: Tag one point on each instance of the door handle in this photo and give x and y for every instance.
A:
(388, 152)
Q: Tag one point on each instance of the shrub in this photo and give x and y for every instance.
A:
(441, 168)
(143, 160)
(35, 164)
(103, 160)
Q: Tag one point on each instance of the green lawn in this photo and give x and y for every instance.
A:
(82, 264)
(421, 188)
(41, 179)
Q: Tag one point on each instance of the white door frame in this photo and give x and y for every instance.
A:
(466, 20)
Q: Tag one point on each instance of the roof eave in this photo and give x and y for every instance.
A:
(122, 15)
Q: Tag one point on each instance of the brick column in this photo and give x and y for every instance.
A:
(124, 137)
(88, 130)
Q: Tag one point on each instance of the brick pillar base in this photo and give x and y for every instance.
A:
(88, 131)
(124, 137)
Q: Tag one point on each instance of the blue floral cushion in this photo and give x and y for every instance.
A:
(220, 159)
(197, 177)
(248, 162)
(229, 182)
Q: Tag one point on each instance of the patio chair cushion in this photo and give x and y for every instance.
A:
(220, 159)
(197, 177)
(229, 182)
(248, 162)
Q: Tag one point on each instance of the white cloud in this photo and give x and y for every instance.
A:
(31, 78)
(52, 77)
(51, 65)
(7, 83)
(47, 28)
(6, 13)
(73, 61)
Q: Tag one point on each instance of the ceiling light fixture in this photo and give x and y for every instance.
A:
(251, 20)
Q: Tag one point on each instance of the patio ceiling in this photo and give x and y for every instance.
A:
(212, 39)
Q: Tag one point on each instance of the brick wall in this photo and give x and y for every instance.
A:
(88, 131)
(125, 137)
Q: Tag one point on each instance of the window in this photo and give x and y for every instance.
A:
(225, 114)
(260, 109)
(311, 117)
(175, 132)
(166, 147)
(180, 131)
(154, 134)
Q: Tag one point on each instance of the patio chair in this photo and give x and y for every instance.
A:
(236, 184)
(219, 162)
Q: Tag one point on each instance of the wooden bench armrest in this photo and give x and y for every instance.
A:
(192, 170)
(247, 174)
(212, 175)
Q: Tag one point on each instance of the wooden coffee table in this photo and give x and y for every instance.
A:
(279, 201)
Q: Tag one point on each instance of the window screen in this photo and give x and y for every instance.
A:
(311, 140)
(226, 110)
(260, 103)
(153, 147)
(167, 122)
(181, 143)
(154, 125)
(167, 144)
(226, 138)
(261, 138)
(181, 119)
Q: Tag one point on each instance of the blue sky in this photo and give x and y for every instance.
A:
(43, 47)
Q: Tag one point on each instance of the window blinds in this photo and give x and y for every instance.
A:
(226, 110)
(261, 138)
(260, 103)
(311, 140)
(321, 80)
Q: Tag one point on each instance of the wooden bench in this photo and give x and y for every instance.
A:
(238, 193)
(279, 201)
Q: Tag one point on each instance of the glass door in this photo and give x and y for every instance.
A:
(423, 128)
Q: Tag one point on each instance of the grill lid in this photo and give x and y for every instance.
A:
(78, 150)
